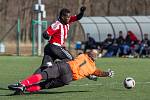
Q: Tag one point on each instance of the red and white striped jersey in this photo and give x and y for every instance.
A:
(59, 32)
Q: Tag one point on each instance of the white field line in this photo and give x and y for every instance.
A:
(99, 84)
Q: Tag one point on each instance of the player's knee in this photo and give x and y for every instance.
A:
(67, 81)
(44, 75)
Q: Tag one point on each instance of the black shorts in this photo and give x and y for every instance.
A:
(53, 52)
(59, 70)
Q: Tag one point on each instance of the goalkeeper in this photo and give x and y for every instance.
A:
(62, 73)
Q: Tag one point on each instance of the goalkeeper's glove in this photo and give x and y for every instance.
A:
(110, 73)
(92, 77)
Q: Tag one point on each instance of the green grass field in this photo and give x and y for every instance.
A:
(13, 69)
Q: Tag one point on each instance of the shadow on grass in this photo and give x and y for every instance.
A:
(2, 88)
(45, 92)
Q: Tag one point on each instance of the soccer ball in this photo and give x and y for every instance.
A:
(129, 83)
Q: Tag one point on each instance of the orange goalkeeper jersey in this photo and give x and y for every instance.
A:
(82, 66)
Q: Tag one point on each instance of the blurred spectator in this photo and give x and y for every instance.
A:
(131, 43)
(110, 45)
(90, 43)
(120, 41)
(145, 46)
(107, 42)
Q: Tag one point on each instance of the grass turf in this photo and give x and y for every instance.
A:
(14, 68)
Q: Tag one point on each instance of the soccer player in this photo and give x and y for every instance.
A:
(62, 73)
(57, 34)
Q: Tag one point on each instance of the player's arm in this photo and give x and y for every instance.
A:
(92, 77)
(47, 33)
(50, 31)
(79, 16)
(100, 73)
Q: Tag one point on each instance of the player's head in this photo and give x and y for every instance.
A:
(64, 16)
(145, 36)
(120, 33)
(109, 35)
(93, 54)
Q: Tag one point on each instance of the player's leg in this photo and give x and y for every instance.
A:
(65, 77)
(33, 88)
(49, 56)
(66, 73)
(48, 59)
(65, 54)
(57, 82)
(27, 82)
(51, 83)
(53, 52)
(59, 70)
(61, 53)
(50, 72)
(20, 87)
(48, 84)
(46, 62)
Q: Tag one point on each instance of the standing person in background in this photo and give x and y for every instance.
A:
(57, 34)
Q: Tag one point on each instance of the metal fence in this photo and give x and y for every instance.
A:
(11, 44)
(99, 27)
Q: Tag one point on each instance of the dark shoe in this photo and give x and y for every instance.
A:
(18, 88)
(18, 92)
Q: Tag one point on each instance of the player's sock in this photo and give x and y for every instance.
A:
(33, 88)
(31, 79)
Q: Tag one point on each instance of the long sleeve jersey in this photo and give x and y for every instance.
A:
(59, 31)
(82, 66)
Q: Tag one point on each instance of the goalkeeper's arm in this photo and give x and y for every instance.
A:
(92, 77)
(100, 73)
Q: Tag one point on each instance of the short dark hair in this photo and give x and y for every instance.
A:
(64, 12)
(109, 34)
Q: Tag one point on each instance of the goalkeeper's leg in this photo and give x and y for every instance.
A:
(48, 84)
